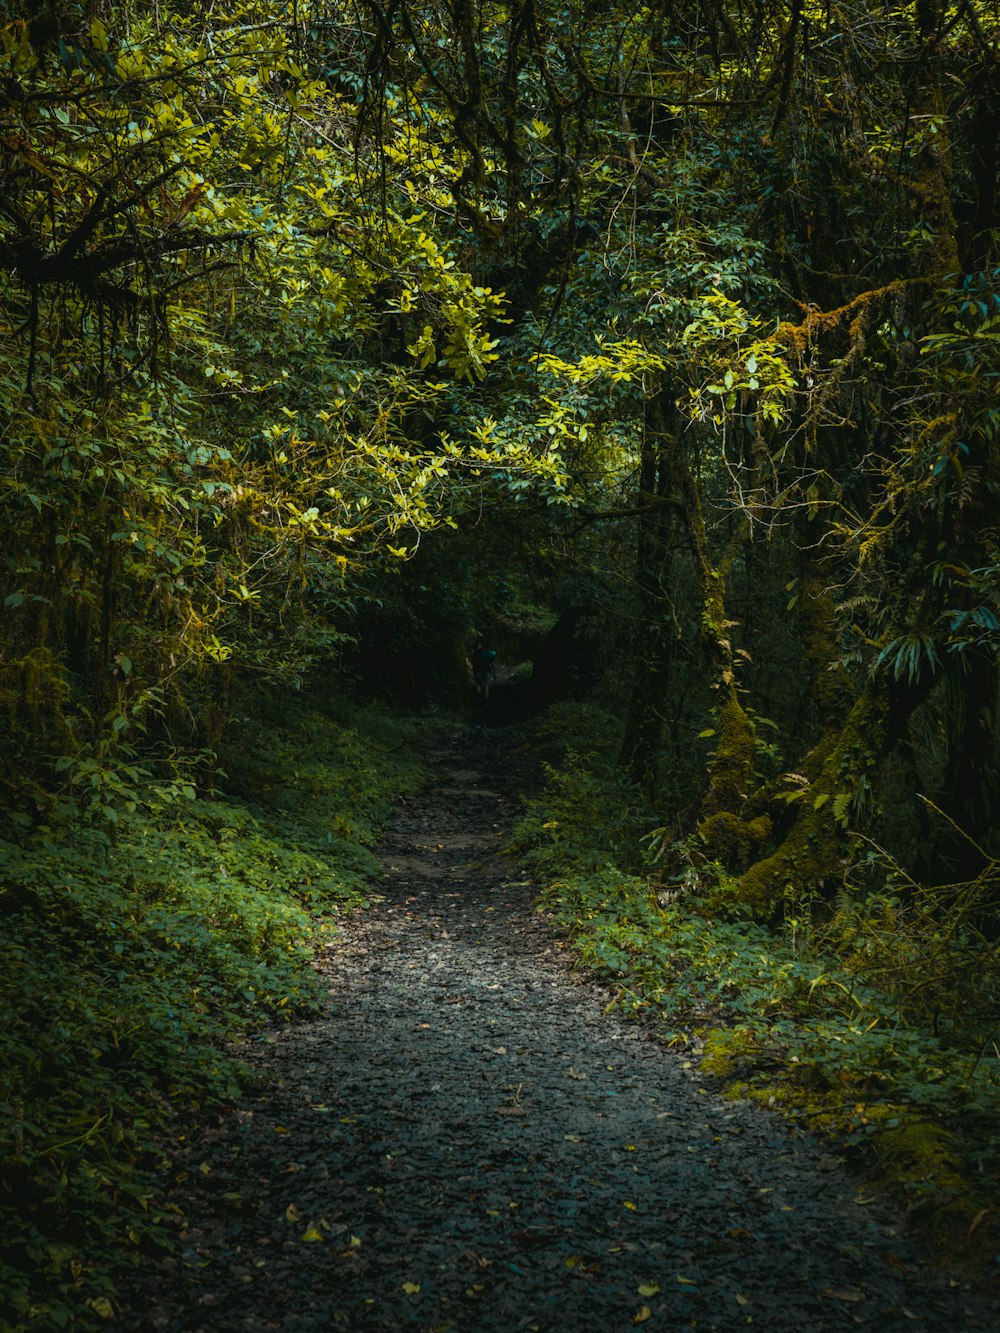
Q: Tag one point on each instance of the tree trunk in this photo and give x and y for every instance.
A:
(841, 795)
(654, 647)
(727, 836)
(812, 853)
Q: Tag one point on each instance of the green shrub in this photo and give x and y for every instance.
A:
(127, 966)
(589, 814)
(828, 1022)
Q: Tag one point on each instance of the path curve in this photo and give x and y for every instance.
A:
(467, 1141)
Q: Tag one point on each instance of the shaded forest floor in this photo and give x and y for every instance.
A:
(467, 1140)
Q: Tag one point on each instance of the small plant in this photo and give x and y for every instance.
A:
(875, 1021)
(129, 965)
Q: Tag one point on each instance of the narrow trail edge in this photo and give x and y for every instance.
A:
(467, 1141)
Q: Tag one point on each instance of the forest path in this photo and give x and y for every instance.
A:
(466, 1140)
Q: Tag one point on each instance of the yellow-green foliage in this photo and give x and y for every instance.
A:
(205, 433)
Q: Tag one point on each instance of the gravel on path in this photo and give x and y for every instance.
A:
(466, 1140)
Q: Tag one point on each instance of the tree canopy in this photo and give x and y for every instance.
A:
(288, 288)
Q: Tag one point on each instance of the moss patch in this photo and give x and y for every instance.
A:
(733, 840)
(732, 764)
(811, 856)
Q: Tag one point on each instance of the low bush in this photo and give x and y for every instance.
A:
(819, 1018)
(130, 957)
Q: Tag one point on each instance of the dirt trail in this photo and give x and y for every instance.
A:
(467, 1141)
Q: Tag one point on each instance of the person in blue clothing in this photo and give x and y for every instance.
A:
(484, 673)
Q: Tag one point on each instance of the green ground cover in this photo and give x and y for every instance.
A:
(131, 956)
(897, 1064)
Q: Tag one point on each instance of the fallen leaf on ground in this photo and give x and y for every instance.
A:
(849, 1294)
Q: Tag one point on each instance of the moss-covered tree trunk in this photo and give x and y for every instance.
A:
(727, 835)
(840, 796)
(811, 856)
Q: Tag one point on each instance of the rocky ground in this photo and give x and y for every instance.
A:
(467, 1141)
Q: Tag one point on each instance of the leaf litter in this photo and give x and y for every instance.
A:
(465, 1122)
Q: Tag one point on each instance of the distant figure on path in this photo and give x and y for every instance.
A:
(483, 669)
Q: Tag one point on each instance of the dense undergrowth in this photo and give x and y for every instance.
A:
(132, 954)
(871, 1019)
